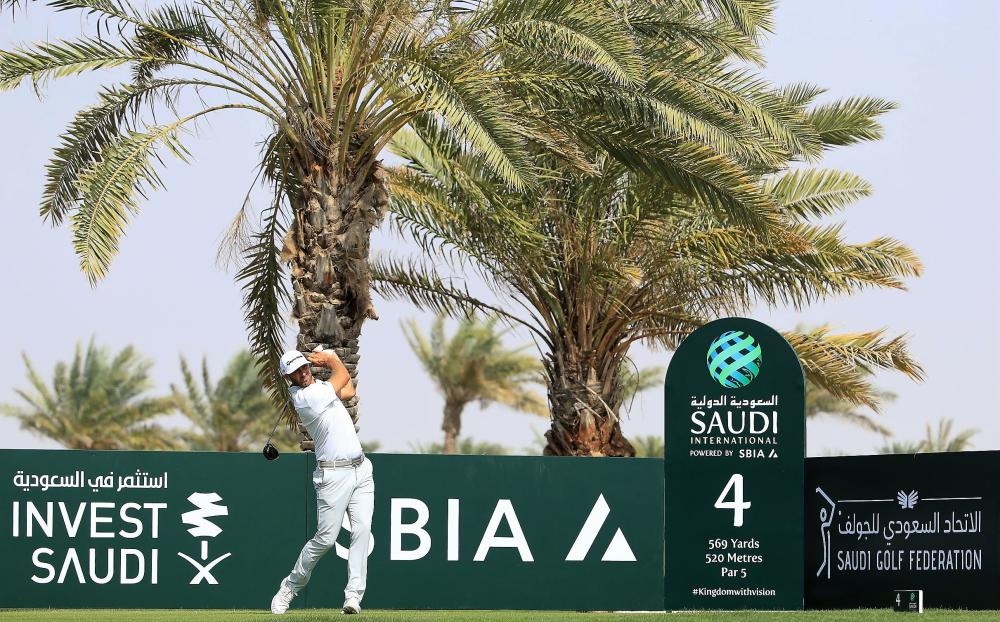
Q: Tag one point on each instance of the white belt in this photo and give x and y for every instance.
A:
(340, 463)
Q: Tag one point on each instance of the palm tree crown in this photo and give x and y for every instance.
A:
(474, 365)
(336, 80)
(96, 401)
(705, 217)
(940, 440)
(233, 414)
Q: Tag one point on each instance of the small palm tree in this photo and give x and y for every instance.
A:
(648, 446)
(944, 439)
(234, 414)
(901, 447)
(465, 447)
(941, 440)
(474, 365)
(96, 402)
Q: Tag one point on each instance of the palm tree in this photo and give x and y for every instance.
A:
(901, 447)
(473, 365)
(939, 440)
(943, 438)
(336, 80)
(465, 447)
(96, 402)
(648, 446)
(234, 414)
(630, 249)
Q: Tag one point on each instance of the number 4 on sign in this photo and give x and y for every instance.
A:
(737, 505)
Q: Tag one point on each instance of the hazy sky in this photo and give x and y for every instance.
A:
(931, 173)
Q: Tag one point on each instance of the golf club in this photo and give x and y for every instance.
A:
(270, 451)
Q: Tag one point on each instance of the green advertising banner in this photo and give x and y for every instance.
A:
(496, 532)
(734, 469)
(146, 529)
(927, 522)
(219, 530)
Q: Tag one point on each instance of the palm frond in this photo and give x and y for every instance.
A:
(581, 33)
(665, 25)
(752, 17)
(813, 192)
(109, 188)
(801, 93)
(57, 59)
(822, 403)
(422, 286)
(92, 131)
(466, 100)
(850, 121)
(169, 33)
(943, 439)
(843, 363)
(266, 296)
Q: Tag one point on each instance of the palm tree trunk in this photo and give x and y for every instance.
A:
(327, 246)
(584, 409)
(452, 426)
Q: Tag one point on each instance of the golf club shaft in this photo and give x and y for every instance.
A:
(277, 421)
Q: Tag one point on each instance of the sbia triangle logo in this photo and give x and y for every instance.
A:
(619, 549)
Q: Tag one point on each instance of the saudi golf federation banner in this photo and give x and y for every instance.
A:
(733, 468)
(176, 530)
(877, 524)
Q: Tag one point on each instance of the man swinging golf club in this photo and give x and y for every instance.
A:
(343, 477)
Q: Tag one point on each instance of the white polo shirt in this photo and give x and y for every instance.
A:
(324, 416)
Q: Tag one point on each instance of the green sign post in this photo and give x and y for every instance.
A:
(734, 470)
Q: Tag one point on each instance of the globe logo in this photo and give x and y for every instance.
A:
(734, 359)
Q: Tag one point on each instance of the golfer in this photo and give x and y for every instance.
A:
(343, 476)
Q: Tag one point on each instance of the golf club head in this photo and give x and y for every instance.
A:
(270, 452)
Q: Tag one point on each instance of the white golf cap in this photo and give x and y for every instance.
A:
(290, 361)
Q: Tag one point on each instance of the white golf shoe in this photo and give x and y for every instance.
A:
(351, 605)
(281, 600)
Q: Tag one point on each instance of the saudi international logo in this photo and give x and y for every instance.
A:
(734, 359)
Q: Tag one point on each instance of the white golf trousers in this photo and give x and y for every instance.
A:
(340, 490)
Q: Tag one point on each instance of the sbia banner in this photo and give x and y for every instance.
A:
(215, 530)
(484, 532)
(733, 470)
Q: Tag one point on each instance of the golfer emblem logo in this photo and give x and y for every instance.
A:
(201, 527)
(734, 359)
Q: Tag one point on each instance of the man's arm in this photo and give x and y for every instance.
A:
(340, 378)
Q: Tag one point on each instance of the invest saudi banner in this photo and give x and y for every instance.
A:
(220, 530)
(735, 449)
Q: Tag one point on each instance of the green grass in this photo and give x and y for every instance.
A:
(123, 615)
